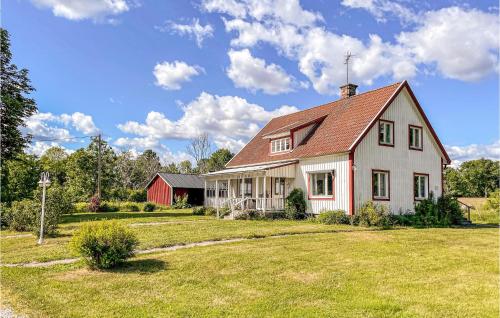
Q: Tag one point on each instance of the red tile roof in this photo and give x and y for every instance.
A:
(345, 123)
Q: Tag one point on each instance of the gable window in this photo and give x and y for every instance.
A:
(415, 137)
(280, 145)
(321, 184)
(380, 185)
(386, 133)
(420, 186)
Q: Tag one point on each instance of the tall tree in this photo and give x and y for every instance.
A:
(15, 105)
(171, 168)
(125, 166)
(147, 165)
(185, 167)
(199, 148)
(474, 178)
(22, 175)
(54, 161)
(218, 159)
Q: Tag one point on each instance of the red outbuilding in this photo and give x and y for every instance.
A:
(164, 187)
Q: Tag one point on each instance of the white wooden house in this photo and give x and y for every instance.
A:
(378, 146)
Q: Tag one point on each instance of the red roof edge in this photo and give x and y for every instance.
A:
(420, 110)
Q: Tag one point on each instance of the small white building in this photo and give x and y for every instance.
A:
(376, 146)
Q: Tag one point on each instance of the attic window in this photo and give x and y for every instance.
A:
(386, 133)
(280, 145)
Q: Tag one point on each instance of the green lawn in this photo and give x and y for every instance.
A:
(349, 273)
(480, 214)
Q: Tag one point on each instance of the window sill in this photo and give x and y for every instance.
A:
(385, 145)
(381, 199)
(321, 197)
(418, 149)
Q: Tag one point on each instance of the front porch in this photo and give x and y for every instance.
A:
(262, 187)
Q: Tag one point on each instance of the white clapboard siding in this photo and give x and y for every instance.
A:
(300, 134)
(339, 163)
(399, 160)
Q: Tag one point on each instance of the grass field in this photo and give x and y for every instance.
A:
(480, 214)
(325, 271)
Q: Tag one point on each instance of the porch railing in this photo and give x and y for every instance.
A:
(247, 203)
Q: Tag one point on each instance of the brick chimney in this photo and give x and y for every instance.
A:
(348, 90)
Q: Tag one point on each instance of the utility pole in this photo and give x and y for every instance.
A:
(44, 183)
(99, 166)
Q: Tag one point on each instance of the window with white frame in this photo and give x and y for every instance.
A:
(421, 186)
(211, 190)
(280, 145)
(380, 185)
(415, 137)
(246, 187)
(386, 133)
(223, 189)
(279, 186)
(321, 183)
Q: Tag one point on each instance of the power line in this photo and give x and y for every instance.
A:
(60, 139)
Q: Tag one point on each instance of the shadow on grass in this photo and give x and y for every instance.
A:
(84, 217)
(141, 266)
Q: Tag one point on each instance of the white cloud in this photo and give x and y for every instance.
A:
(85, 9)
(81, 122)
(459, 154)
(170, 75)
(462, 43)
(231, 7)
(459, 43)
(252, 73)
(380, 9)
(229, 120)
(137, 145)
(38, 148)
(195, 29)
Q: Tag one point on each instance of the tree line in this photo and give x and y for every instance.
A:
(474, 178)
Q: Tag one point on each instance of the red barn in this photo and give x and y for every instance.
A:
(164, 187)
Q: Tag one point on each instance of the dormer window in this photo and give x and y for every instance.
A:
(386, 133)
(280, 145)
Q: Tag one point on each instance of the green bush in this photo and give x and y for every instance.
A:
(149, 207)
(129, 207)
(210, 211)
(199, 210)
(493, 201)
(371, 214)
(104, 244)
(295, 205)
(443, 212)
(224, 211)
(138, 195)
(333, 217)
(80, 207)
(21, 215)
(109, 207)
(181, 202)
(249, 215)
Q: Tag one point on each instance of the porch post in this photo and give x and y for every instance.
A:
(228, 188)
(205, 203)
(265, 194)
(217, 195)
(257, 190)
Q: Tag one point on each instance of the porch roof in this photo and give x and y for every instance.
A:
(240, 170)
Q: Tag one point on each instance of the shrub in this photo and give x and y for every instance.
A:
(80, 207)
(371, 214)
(138, 195)
(149, 207)
(94, 204)
(333, 217)
(493, 201)
(129, 207)
(249, 215)
(295, 205)
(21, 215)
(443, 212)
(109, 207)
(104, 244)
(224, 211)
(199, 210)
(210, 211)
(181, 202)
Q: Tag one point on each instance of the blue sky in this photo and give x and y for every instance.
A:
(153, 74)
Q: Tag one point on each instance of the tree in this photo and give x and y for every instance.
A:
(15, 106)
(54, 161)
(146, 166)
(20, 178)
(474, 178)
(185, 167)
(199, 148)
(125, 166)
(218, 159)
(171, 168)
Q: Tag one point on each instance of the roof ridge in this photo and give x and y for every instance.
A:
(338, 100)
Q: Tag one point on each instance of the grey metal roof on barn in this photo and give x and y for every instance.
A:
(177, 180)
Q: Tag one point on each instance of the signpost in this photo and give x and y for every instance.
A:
(44, 183)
